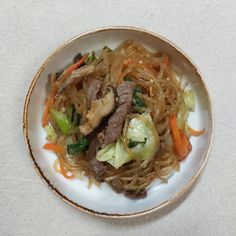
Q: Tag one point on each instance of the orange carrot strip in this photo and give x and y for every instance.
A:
(45, 118)
(195, 132)
(165, 60)
(48, 105)
(182, 144)
(54, 147)
(76, 65)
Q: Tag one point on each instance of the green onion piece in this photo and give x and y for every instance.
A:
(137, 101)
(91, 57)
(80, 146)
(137, 89)
(62, 121)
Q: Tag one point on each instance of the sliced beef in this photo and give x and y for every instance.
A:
(126, 98)
(98, 168)
(115, 123)
(126, 88)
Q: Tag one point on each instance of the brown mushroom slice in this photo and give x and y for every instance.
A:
(83, 71)
(77, 75)
(99, 109)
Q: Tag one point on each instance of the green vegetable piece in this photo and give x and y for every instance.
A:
(132, 143)
(121, 156)
(137, 101)
(182, 117)
(185, 107)
(189, 100)
(91, 57)
(115, 154)
(51, 134)
(140, 129)
(80, 146)
(62, 121)
(107, 153)
(137, 89)
(69, 112)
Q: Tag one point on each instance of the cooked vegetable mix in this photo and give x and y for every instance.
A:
(120, 117)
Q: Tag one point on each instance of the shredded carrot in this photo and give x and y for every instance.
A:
(64, 171)
(48, 105)
(59, 149)
(75, 65)
(195, 132)
(165, 60)
(182, 144)
(46, 117)
(54, 147)
(127, 62)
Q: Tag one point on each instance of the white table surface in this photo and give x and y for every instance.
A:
(31, 30)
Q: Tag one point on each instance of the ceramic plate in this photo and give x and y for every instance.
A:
(103, 201)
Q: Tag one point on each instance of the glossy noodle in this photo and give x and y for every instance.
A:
(119, 117)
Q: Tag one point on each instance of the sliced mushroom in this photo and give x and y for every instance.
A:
(99, 109)
(77, 75)
(83, 71)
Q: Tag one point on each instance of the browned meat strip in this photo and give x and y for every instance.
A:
(115, 123)
(125, 88)
(98, 168)
(126, 98)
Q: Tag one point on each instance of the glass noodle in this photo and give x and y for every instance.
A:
(161, 91)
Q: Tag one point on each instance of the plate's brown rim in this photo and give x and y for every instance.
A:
(54, 189)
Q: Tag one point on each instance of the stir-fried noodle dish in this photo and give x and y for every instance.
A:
(120, 117)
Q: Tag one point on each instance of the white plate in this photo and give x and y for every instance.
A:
(103, 201)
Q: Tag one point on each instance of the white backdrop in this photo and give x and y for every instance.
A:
(31, 30)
